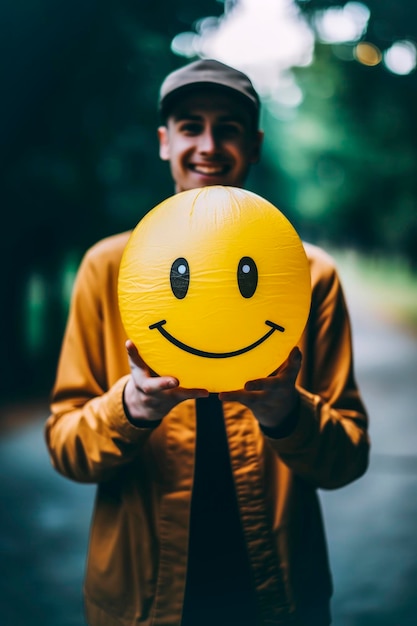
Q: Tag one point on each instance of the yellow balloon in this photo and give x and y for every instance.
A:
(214, 288)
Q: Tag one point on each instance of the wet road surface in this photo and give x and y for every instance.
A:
(371, 524)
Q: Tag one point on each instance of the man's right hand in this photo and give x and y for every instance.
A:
(148, 397)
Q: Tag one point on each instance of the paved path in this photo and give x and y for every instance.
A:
(371, 525)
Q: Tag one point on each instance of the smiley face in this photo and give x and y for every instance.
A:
(214, 288)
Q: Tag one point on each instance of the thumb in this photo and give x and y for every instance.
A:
(134, 356)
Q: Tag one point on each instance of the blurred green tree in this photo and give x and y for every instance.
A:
(78, 152)
(342, 165)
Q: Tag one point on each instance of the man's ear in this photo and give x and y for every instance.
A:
(257, 146)
(163, 139)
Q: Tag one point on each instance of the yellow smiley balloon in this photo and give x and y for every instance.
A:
(214, 288)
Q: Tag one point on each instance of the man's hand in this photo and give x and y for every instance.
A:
(274, 398)
(149, 397)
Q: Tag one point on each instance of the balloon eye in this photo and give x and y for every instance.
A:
(247, 276)
(180, 278)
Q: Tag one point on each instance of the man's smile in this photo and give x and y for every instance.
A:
(209, 169)
(215, 355)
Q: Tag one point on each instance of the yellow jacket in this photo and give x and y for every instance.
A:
(139, 537)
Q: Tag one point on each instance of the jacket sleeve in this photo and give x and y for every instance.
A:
(88, 435)
(329, 446)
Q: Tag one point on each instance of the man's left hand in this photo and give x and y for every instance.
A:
(274, 398)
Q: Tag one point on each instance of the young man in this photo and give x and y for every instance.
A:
(206, 509)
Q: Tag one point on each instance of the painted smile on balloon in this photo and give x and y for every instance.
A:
(215, 355)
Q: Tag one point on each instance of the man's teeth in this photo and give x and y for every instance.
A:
(209, 169)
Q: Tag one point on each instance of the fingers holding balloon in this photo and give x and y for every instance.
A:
(148, 396)
(273, 398)
(145, 380)
(287, 373)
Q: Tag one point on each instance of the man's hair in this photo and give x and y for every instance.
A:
(208, 73)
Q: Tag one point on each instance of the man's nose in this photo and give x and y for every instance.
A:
(208, 141)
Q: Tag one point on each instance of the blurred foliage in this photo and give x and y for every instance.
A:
(79, 158)
(342, 166)
(78, 154)
(390, 19)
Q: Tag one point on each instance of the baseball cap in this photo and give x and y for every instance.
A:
(207, 72)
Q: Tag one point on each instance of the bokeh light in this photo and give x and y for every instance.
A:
(401, 58)
(367, 54)
(342, 24)
(264, 38)
(267, 39)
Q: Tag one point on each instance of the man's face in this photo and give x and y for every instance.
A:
(209, 140)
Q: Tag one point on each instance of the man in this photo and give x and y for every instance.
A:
(206, 509)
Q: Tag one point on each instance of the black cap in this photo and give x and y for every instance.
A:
(207, 72)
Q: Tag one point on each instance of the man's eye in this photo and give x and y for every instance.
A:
(230, 130)
(190, 129)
